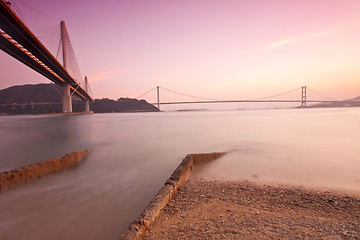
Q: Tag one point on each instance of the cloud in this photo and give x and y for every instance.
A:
(299, 39)
(102, 76)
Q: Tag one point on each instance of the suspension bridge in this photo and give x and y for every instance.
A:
(17, 40)
(302, 100)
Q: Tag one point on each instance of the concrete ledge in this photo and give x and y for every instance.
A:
(27, 173)
(167, 192)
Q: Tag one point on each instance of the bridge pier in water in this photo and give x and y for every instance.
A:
(87, 102)
(66, 98)
(87, 106)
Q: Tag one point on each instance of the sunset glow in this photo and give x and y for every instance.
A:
(215, 49)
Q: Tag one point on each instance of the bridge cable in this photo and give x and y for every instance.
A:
(73, 67)
(146, 93)
(278, 95)
(88, 90)
(18, 12)
(187, 95)
(53, 85)
(321, 95)
(38, 11)
(58, 50)
(50, 37)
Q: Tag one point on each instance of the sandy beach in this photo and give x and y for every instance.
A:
(205, 209)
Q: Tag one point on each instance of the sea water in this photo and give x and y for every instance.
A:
(132, 154)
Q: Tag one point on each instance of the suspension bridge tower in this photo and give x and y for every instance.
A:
(158, 96)
(66, 95)
(303, 96)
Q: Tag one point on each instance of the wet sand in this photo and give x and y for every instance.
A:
(205, 209)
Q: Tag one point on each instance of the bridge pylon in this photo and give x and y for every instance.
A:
(66, 95)
(158, 97)
(87, 102)
(303, 96)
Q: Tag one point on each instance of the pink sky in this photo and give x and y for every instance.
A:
(211, 48)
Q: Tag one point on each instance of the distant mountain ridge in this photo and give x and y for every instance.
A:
(11, 99)
(336, 105)
(38, 93)
(355, 102)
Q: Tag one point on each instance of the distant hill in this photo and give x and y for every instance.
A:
(11, 99)
(121, 105)
(38, 93)
(355, 102)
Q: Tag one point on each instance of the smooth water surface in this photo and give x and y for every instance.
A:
(134, 153)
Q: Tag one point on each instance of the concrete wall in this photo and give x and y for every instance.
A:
(167, 192)
(25, 174)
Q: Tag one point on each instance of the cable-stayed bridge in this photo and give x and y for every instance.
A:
(17, 40)
(301, 98)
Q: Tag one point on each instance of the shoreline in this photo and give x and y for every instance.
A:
(236, 210)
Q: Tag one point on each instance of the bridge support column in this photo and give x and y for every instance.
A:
(87, 102)
(66, 98)
(158, 97)
(303, 96)
(87, 106)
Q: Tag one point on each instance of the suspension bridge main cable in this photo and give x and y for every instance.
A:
(321, 95)
(278, 95)
(146, 93)
(187, 95)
